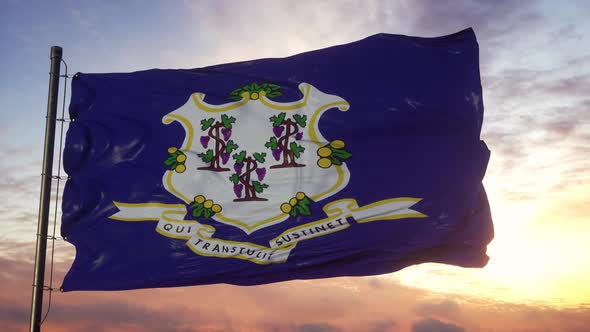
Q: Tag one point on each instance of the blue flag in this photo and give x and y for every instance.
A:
(353, 160)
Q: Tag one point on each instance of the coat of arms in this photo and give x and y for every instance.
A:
(253, 163)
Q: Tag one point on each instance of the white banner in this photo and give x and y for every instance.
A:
(200, 239)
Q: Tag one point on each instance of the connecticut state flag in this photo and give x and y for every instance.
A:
(353, 160)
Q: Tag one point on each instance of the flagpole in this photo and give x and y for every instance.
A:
(46, 176)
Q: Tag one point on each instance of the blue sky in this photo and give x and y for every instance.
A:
(535, 68)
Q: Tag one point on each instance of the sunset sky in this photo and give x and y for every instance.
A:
(535, 71)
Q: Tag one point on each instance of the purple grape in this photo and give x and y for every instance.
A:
(238, 190)
(278, 131)
(261, 172)
(238, 167)
(224, 158)
(276, 153)
(299, 136)
(226, 132)
(205, 141)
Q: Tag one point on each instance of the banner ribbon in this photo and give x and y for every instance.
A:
(200, 238)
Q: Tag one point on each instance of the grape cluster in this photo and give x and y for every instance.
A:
(332, 154)
(297, 205)
(202, 206)
(176, 160)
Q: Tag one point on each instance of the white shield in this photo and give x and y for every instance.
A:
(283, 179)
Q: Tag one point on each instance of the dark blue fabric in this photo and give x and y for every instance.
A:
(419, 98)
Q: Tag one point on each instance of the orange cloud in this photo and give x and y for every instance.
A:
(375, 304)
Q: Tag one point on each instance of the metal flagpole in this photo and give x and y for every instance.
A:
(46, 176)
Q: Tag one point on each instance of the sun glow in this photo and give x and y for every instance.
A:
(538, 255)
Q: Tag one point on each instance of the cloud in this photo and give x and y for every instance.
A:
(376, 283)
(537, 125)
(100, 316)
(289, 27)
(518, 19)
(123, 314)
(321, 305)
(446, 309)
(11, 315)
(579, 61)
(434, 325)
(312, 327)
(382, 326)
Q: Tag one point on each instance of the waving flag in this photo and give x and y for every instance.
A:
(353, 160)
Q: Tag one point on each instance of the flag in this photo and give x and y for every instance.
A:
(353, 160)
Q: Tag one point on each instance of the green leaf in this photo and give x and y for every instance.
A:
(195, 205)
(259, 187)
(197, 212)
(305, 210)
(239, 157)
(236, 91)
(341, 154)
(234, 178)
(255, 86)
(273, 94)
(206, 157)
(299, 210)
(231, 146)
(259, 157)
(277, 120)
(227, 121)
(207, 213)
(305, 201)
(274, 86)
(206, 123)
(301, 120)
(336, 161)
(170, 161)
(297, 149)
(236, 98)
(293, 213)
(263, 86)
(272, 143)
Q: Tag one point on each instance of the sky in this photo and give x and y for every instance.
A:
(535, 71)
